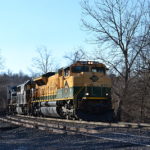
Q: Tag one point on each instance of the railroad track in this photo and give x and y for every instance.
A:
(126, 133)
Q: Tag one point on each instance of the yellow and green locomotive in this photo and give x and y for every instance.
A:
(79, 91)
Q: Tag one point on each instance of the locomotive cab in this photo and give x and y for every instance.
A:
(24, 97)
(89, 76)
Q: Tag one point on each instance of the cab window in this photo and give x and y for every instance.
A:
(18, 89)
(98, 69)
(78, 69)
(67, 71)
(14, 94)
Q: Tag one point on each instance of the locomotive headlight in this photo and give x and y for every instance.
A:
(87, 94)
(107, 94)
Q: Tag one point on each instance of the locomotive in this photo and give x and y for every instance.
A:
(80, 91)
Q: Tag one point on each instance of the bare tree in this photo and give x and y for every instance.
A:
(143, 69)
(42, 63)
(145, 58)
(76, 55)
(118, 26)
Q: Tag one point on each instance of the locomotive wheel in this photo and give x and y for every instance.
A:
(67, 110)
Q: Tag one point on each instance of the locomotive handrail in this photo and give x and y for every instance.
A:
(76, 94)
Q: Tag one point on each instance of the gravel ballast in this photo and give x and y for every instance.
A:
(19, 138)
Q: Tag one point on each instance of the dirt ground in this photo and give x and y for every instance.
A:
(18, 138)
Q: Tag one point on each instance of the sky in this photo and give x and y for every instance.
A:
(26, 25)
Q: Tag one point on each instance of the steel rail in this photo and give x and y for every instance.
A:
(119, 124)
(117, 140)
(57, 127)
(133, 135)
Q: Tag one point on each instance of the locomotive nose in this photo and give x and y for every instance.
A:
(94, 78)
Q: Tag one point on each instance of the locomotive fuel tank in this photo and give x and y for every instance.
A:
(49, 109)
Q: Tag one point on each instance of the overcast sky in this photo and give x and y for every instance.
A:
(26, 25)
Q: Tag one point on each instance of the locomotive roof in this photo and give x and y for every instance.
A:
(26, 82)
(73, 64)
(48, 74)
(85, 63)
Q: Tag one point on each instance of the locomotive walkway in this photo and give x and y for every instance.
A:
(117, 133)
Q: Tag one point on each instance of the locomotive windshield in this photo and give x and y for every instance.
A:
(98, 69)
(14, 94)
(78, 69)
